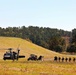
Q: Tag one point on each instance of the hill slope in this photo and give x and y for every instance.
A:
(26, 47)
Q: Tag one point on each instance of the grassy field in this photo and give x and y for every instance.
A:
(26, 48)
(24, 67)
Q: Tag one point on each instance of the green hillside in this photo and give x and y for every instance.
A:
(26, 47)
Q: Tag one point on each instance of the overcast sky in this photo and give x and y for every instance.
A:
(59, 14)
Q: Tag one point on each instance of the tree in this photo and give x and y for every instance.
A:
(56, 43)
(73, 36)
(58, 48)
(71, 48)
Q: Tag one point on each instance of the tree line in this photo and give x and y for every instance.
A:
(49, 38)
(72, 46)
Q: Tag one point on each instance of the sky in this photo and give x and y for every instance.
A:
(60, 14)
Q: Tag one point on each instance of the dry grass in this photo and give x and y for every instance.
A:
(26, 47)
(23, 67)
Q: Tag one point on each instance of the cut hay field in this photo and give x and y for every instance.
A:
(24, 67)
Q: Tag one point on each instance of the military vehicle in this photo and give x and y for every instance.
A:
(11, 54)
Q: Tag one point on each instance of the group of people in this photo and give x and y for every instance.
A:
(69, 59)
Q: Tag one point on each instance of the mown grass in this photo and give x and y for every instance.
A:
(23, 67)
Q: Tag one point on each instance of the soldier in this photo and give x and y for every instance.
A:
(62, 59)
(40, 57)
(69, 59)
(66, 59)
(73, 59)
(55, 58)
